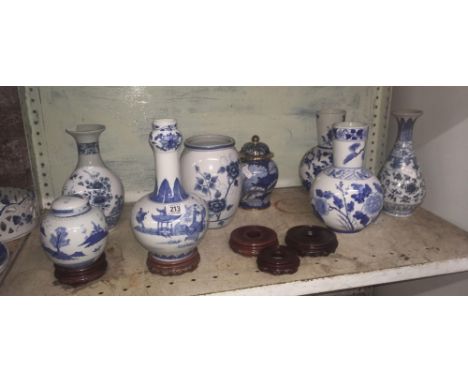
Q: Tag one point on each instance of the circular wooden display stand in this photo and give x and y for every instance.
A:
(251, 240)
(173, 268)
(79, 276)
(278, 261)
(311, 240)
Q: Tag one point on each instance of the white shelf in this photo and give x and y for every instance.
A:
(392, 249)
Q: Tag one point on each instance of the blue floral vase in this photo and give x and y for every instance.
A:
(211, 170)
(73, 233)
(320, 156)
(260, 174)
(169, 222)
(401, 177)
(347, 196)
(91, 178)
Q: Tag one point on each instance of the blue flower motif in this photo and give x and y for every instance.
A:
(217, 205)
(363, 192)
(362, 217)
(233, 170)
(205, 183)
(321, 206)
(373, 204)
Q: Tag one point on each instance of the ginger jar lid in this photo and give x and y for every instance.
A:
(255, 150)
(66, 206)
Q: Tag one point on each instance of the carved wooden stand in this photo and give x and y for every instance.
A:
(79, 276)
(165, 268)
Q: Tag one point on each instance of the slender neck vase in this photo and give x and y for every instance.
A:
(168, 222)
(401, 177)
(91, 178)
(348, 144)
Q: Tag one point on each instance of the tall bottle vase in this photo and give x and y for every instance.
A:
(91, 178)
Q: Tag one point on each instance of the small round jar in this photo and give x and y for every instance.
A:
(260, 174)
(211, 170)
(73, 233)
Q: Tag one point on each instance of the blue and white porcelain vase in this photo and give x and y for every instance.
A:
(73, 233)
(169, 222)
(347, 196)
(401, 177)
(211, 170)
(91, 178)
(260, 174)
(320, 156)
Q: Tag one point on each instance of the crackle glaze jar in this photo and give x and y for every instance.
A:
(347, 196)
(168, 222)
(73, 233)
(91, 178)
(320, 156)
(401, 176)
(260, 174)
(211, 170)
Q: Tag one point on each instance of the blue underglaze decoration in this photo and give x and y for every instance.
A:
(315, 161)
(208, 185)
(58, 241)
(355, 149)
(189, 224)
(349, 134)
(16, 219)
(166, 139)
(256, 190)
(88, 148)
(97, 234)
(348, 173)
(345, 202)
(401, 177)
(165, 194)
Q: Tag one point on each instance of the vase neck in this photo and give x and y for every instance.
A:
(406, 120)
(349, 142)
(87, 142)
(89, 154)
(165, 139)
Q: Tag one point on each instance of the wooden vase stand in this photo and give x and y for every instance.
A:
(173, 268)
(80, 276)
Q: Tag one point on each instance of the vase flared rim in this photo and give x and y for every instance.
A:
(84, 129)
(330, 111)
(408, 113)
(209, 142)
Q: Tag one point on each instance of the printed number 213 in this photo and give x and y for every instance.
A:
(174, 209)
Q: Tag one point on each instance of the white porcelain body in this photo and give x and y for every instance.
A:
(321, 156)
(74, 241)
(91, 178)
(17, 213)
(168, 222)
(401, 177)
(347, 196)
(214, 175)
(174, 239)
